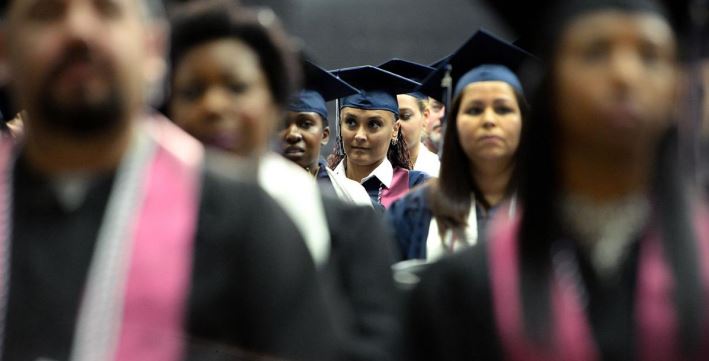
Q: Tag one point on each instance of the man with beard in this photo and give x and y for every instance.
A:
(118, 240)
(432, 135)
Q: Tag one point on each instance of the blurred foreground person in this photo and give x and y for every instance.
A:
(479, 154)
(307, 130)
(230, 89)
(608, 257)
(118, 241)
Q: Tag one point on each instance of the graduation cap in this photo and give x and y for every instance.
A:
(378, 88)
(410, 70)
(320, 87)
(484, 57)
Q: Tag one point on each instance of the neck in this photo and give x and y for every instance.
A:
(313, 168)
(414, 152)
(358, 172)
(492, 179)
(604, 178)
(51, 152)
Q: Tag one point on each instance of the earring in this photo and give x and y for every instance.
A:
(393, 142)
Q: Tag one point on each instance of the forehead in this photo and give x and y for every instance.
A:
(142, 8)
(406, 101)
(496, 89)
(364, 113)
(618, 26)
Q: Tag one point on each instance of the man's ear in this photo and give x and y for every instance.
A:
(325, 136)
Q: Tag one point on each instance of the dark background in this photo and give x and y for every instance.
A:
(344, 33)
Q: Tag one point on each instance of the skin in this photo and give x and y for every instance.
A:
(412, 123)
(616, 75)
(119, 54)
(302, 138)
(366, 136)
(221, 97)
(489, 123)
(434, 113)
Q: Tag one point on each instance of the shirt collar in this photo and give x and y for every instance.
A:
(384, 172)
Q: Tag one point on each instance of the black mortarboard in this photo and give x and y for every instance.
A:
(410, 70)
(500, 58)
(320, 87)
(378, 88)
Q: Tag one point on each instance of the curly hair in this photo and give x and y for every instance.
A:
(200, 22)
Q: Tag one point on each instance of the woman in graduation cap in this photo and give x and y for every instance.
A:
(414, 112)
(608, 257)
(479, 154)
(371, 148)
(230, 90)
(306, 130)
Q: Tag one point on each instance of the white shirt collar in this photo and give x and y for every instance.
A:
(384, 172)
(427, 162)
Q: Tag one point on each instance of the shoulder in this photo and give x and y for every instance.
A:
(417, 177)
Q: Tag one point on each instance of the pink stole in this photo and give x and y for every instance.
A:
(572, 338)
(398, 188)
(161, 263)
(151, 321)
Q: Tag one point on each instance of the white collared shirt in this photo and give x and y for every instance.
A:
(427, 162)
(384, 172)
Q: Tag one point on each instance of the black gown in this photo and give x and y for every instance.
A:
(450, 313)
(254, 286)
(359, 283)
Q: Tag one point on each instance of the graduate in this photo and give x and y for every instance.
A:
(607, 257)
(232, 77)
(414, 113)
(354, 259)
(371, 148)
(479, 155)
(118, 238)
(307, 129)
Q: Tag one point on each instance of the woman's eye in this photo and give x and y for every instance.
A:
(351, 123)
(406, 116)
(305, 124)
(475, 111)
(190, 93)
(238, 88)
(375, 124)
(503, 110)
(595, 52)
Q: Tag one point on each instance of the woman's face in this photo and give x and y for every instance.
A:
(303, 137)
(489, 122)
(614, 88)
(221, 96)
(411, 120)
(366, 134)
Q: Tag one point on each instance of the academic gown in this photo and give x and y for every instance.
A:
(461, 325)
(359, 283)
(253, 284)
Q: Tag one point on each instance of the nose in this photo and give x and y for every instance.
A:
(625, 69)
(215, 103)
(293, 136)
(489, 118)
(81, 21)
(360, 135)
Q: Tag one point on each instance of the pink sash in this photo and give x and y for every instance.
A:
(150, 323)
(161, 262)
(572, 339)
(399, 187)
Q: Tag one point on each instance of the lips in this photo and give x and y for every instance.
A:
(490, 139)
(622, 115)
(294, 151)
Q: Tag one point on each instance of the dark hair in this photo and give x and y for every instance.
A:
(397, 153)
(200, 22)
(449, 195)
(539, 188)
